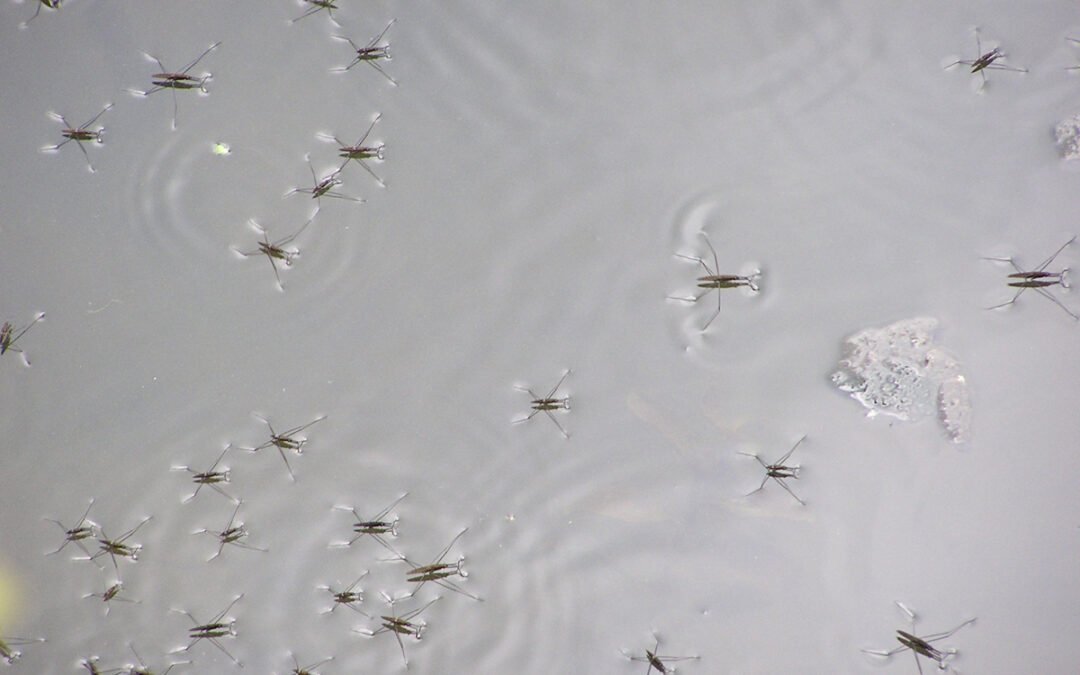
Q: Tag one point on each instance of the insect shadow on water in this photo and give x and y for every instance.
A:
(179, 80)
(233, 533)
(323, 187)
(210, 477)
(213, 630)
(1038, 280)
(317, 6)
(778, 471)
(80, 134)
(350, 597)
(985, 61)
(657, 661)
(84, 529)
(306, 670)
(376, 527)
(371, 53)
(286, 440)
(358, 152)
(143, 669)
(920, 645)
(547, 404)
(439, 572)
(8, 644)
(399, 624)
(275, 250)
(119, 546)
(112, 593)
(9, 335)
(713, 280)
(49, 4)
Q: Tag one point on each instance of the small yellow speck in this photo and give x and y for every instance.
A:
(222, 149)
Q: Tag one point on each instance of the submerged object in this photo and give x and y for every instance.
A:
(897, 371)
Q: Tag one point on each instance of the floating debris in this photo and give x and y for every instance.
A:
(1067, 133)
(897, 371)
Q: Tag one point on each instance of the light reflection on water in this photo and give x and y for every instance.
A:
(543, 168)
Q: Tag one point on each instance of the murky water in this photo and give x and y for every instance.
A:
(544, 167)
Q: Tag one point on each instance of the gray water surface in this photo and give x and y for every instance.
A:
(544, 164)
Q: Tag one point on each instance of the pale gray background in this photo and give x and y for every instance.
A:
(544, 163)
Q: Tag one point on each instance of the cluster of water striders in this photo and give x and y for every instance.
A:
(96, 544)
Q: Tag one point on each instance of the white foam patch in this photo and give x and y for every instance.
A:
(897, 371)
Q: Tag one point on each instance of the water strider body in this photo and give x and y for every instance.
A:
(779, 471)
(1038, 280)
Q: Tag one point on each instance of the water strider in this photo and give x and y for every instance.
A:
(307, 670)
(376, 527)
(210, 477)
(119, 546)
(371, 53)
(358, 152)
(80, 134)
(659, 662)
(7, 647)
(778, 471)
(714, 281)
(439, 572)
(546, 404)
(178, 80)
(985, 61)
(84, 529)
(9, 335)
(350, 597)
(233, 534)
(318, 6)
(276, 251)
(49, 4)
(920, 645)
(1038, 280)
(323, 187)
(109, 594)
(399, 625)
(212, 630)
(286, 440)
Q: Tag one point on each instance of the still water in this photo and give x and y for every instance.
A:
(545, 167)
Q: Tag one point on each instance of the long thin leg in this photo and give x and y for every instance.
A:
(561, 429)
(789, 490)
(1046, 294)
(792, 450)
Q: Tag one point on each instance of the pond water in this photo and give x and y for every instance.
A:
(545, 166)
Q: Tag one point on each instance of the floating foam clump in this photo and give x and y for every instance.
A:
(1068, 137)
(897, 371)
